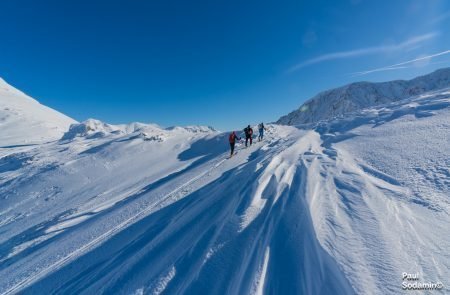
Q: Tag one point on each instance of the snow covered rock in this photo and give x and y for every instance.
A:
(91, 128)
(356, 96)
(24, 120)
(193, 129)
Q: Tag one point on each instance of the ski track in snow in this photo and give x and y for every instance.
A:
(98, 240)
(340, 208)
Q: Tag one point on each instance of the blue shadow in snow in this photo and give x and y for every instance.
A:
(13, 162)
(207, 148)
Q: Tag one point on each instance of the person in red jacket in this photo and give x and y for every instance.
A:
(232, 139)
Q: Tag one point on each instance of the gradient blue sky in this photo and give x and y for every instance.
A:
(219, 63)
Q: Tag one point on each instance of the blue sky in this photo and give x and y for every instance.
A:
(219, 63)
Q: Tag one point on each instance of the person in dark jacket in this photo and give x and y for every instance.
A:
(261, 129)
(232, 139)
(248, 134)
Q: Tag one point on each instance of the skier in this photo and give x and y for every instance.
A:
(248, 134)
(261, 129)
(232, 139)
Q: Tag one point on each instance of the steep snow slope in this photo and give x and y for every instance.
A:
(356, 96)
(342, 208)
(23, 120)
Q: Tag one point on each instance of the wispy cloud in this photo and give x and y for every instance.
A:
(366, 51)
(402, 65)
(441, 17)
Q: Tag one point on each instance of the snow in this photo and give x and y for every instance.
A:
(344, 206)
(24, 121)
(164, 281)
(373, 209)
(262, 275)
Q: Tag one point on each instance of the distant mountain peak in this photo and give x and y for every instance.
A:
(358, 95)
(23, 120)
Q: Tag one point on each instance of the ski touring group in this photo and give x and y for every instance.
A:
(248, 132)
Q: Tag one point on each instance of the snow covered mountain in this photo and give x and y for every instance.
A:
(343, 207)
(23, 120)
(356, 96)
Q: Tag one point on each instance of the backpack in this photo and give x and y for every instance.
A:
(232, 137)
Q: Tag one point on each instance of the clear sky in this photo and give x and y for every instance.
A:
(219, 63)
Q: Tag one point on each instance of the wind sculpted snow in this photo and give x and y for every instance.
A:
(344, 207)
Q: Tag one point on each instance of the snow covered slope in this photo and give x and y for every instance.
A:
(23, 120)
(356, 96)
(344, 207)
(382, 203)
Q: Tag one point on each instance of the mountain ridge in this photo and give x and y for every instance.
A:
(25, 121)
(359, 95)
